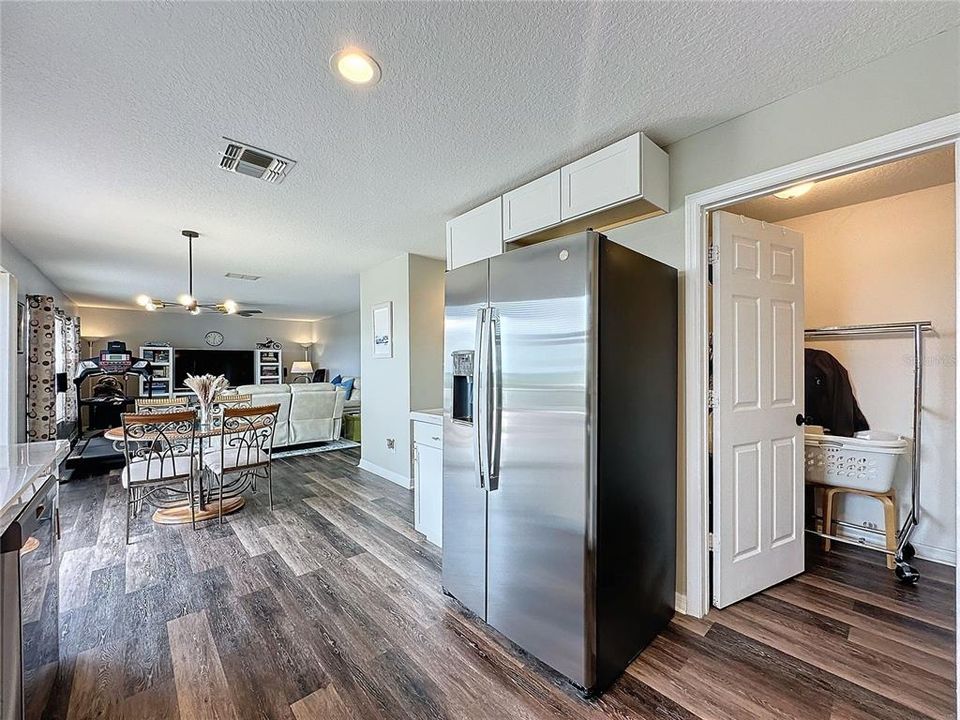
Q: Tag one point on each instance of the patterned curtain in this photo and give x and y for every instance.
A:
(72, 344)
(41, 380)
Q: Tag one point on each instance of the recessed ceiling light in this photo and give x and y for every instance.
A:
(355, 66)
(794, 192)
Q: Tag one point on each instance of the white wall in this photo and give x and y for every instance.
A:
(337, 345)
(183, 330)
(30, 281)
(915, 85)
(893, 260)
(8, 358)
(413, 378)
(30, 278)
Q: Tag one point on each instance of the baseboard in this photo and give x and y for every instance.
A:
(935, 554)
(680, 603)
(390, 475)
(944, 556)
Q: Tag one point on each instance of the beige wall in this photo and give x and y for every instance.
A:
(183, 330)
(413, 377)
(385, 397)
(893, 260)
(337, 344)
(426, 332)
(915, 85)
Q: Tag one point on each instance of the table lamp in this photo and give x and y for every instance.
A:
(303, 370)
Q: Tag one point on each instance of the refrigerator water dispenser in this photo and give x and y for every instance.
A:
(462, 410)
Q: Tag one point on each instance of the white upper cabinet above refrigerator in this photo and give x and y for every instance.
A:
(606, 177)
(532, 206)
(475, 235)
(620, 183)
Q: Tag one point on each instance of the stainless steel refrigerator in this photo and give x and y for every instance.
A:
(560, 450)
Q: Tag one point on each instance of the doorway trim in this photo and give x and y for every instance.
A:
(877, 151)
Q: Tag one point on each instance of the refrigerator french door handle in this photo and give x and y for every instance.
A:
(495, 365)
(478, 415)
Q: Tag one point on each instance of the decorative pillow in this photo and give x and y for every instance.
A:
(337, 380)
(347, 386)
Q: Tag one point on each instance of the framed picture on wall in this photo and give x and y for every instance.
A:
(21, 328)
(383, 330)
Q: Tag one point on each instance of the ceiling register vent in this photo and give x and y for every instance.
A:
(242, 276)
(248, 160)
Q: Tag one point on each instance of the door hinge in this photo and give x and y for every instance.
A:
(713, 254)
(711, 399)
(711, 545)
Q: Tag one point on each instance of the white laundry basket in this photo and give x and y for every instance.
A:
(867, 461)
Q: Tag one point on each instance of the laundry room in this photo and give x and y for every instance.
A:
(834, 309)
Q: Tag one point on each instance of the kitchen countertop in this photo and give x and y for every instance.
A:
(23, 470)
(434, 416)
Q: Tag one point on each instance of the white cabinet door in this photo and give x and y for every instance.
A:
(531, 207)
(603, 178)
(475, 235)
(758, 378)
(428, 470)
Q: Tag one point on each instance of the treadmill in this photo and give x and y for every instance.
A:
(104, 410)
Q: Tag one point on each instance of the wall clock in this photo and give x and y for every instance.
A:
(214, 338)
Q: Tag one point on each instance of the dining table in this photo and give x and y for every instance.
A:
(173, 504)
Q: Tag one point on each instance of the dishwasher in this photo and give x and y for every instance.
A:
(29, 607)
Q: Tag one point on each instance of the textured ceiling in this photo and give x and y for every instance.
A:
(112, 115)
(895, 178)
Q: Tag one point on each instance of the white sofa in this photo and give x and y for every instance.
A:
(353, 404)
(309, 412)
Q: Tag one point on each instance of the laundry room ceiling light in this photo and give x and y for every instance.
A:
(794, 192)
(355, 66)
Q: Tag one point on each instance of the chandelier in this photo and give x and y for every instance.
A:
(188, 301)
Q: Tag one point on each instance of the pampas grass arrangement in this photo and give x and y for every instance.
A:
(206, 387)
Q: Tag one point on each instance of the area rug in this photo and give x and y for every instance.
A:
(341, 444)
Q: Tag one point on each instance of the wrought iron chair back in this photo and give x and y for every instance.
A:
(158, 439)
(221, 402)
(247, 431)
(161, 405)
(233, 400)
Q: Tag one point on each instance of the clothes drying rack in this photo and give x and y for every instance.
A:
(904, 552)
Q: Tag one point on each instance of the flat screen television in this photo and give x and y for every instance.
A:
(235, 365)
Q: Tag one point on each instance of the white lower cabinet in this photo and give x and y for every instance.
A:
(428, 481)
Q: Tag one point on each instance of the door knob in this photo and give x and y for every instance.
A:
(801, 420)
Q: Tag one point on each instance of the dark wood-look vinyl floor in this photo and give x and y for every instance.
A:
(330, 607)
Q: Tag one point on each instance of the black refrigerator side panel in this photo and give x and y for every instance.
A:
(636, 455)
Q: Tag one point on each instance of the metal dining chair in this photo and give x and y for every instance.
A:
(165, 404)
(221, 401)
(225, 400)
(159, 452)
(235, 400)
(246, 442)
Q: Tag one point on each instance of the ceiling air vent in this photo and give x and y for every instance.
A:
(241, 276)
(248, 160)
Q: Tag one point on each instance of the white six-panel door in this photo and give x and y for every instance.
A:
(758, 384)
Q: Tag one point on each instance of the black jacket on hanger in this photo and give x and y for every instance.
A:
(829, 399)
